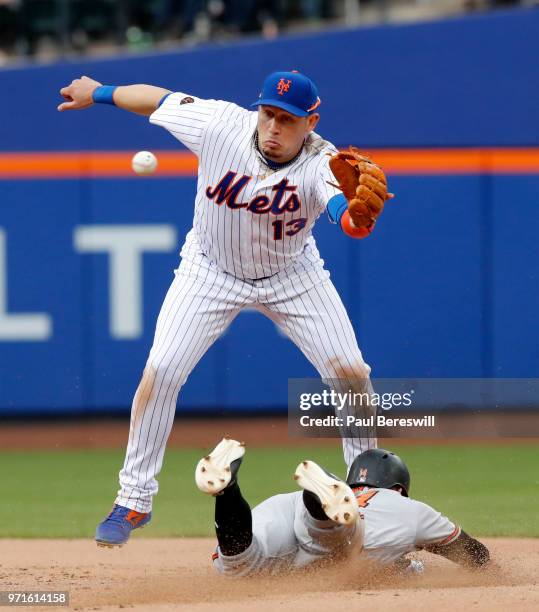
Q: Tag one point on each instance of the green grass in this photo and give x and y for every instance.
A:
(490, 491)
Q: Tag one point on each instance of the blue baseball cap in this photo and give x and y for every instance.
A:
(291, 91)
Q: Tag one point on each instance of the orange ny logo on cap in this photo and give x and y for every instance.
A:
(283, 86)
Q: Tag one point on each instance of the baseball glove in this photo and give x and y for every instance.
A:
(363, 183)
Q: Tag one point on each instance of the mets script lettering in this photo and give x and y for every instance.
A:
(229, 188)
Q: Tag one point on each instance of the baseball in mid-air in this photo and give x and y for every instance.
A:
(144, 162)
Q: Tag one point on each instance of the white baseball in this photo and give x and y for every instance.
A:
(144, 162)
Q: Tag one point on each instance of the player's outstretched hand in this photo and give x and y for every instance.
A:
(78, 95)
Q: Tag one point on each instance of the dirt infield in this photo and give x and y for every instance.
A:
(176, 574)
(113, 433)
(254, 431)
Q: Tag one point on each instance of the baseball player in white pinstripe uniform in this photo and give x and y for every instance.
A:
(263, 180)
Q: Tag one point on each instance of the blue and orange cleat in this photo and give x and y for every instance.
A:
(117, 527)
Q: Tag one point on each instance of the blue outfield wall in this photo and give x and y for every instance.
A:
(447, 286)
(461, 82)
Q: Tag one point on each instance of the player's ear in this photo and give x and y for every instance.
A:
(313, 121)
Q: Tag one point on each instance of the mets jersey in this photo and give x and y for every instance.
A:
(396, 525)
(250, 220)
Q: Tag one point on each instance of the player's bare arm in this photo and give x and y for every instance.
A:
(139, 99)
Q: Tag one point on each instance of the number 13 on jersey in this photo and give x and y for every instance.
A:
(295, 226)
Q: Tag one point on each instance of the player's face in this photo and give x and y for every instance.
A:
(281, 134)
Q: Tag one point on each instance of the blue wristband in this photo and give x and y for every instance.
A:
(163, 99)
(336, 207)
(103, 94)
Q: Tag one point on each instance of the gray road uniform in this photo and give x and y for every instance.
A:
(286, 536)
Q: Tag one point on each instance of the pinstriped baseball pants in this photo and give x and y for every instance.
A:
(200, 304)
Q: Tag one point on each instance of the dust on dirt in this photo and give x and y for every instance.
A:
(176, 574)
